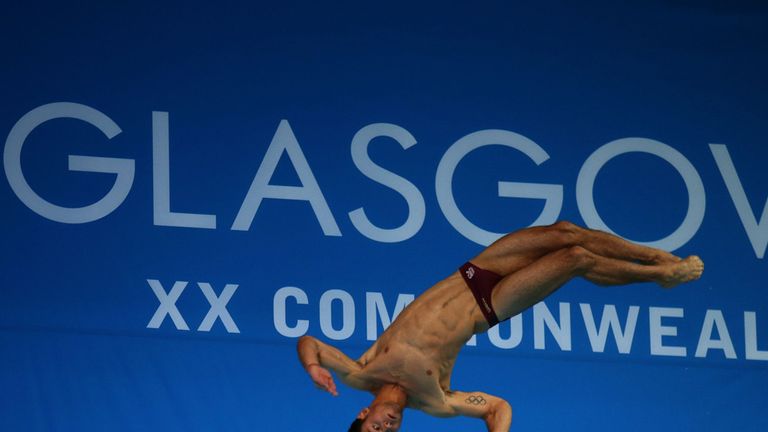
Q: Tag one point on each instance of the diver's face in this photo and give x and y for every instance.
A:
(383, 417)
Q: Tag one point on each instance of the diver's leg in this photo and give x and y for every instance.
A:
(521, 248)
(534, 282)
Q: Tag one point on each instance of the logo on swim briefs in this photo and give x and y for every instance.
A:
(487, 307)
(470, 272)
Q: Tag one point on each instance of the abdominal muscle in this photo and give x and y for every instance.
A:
(419, 349)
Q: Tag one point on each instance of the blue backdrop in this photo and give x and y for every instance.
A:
(190, 187)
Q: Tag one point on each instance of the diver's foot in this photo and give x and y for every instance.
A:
(682, 271)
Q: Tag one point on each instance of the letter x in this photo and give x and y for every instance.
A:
(167, 304)
(218, 307)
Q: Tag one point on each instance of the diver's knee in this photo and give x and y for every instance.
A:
(579, 259)
(566, 233)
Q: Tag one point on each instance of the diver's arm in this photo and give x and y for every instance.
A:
(495, 411)
(317, 357)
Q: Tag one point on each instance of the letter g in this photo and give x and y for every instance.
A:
(124, 168)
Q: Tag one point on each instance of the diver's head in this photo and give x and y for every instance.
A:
(379, 417)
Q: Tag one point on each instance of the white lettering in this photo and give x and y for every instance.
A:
(515, 333)
(279, 312)
(161, 182)
(610, 321)
(551, 194)
(560, 331)
(714, 318)
(124, 168)
(285, 141)
(750, 338)
(167, 305)
(347, 313)
(585, 184)
(218, 307)
(413, 198)
(757, 232)
(658, 331)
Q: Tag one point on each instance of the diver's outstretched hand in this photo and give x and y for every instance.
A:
(322, 378)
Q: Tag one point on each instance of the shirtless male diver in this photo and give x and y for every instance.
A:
(410, 365)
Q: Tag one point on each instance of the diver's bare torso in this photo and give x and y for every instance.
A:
(418, 351)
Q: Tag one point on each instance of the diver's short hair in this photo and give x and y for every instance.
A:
(356, 426)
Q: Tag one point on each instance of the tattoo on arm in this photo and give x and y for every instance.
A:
(476, 400)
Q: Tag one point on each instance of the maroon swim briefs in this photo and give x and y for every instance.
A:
(481, 283)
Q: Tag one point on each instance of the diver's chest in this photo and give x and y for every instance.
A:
(408, 369)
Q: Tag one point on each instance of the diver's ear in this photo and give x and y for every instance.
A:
(364, 413)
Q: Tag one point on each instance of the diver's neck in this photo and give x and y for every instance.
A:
(392, 393)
